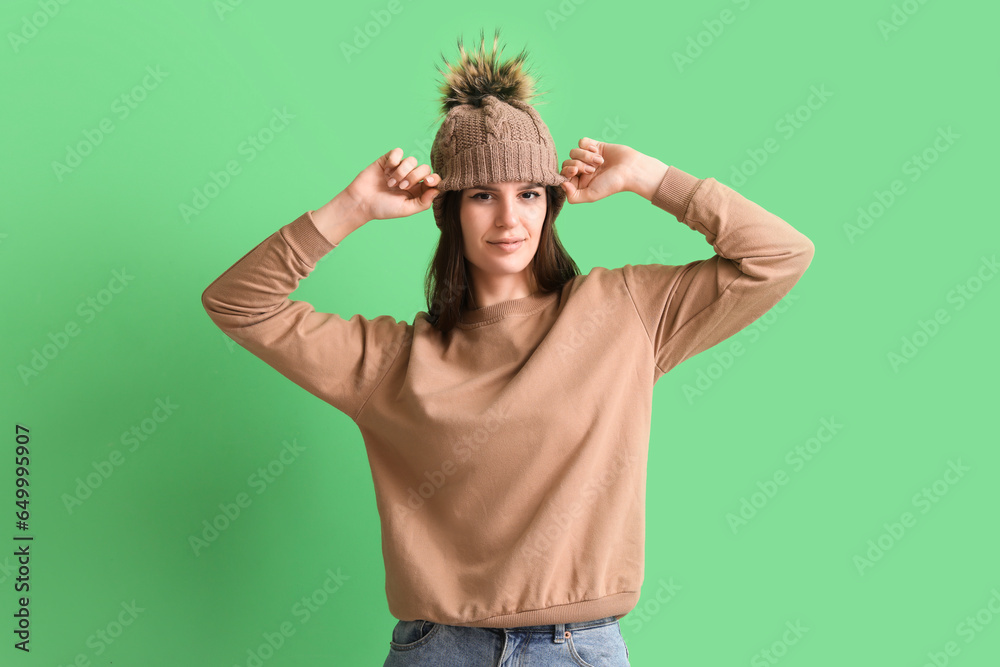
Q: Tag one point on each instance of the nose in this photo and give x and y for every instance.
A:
(507, 212)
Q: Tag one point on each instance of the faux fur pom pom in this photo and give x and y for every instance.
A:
(478, 74)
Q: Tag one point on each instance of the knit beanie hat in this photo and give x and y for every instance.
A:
(490, 132)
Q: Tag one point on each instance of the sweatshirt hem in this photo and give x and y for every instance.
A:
(617, 605)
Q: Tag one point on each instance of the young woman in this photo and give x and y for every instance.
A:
(507, 427)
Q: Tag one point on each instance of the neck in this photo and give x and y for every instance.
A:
(487, 290)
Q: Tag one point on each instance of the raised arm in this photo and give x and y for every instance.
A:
(759, 258)
(688, 309)
(338, 360)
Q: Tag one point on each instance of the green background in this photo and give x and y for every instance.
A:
(611, 73)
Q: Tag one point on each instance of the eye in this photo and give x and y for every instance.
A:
(487, 194)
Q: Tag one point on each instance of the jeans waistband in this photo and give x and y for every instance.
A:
(559, 630)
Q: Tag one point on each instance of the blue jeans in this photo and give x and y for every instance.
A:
(585, 644)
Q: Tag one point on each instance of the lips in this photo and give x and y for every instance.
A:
(510, 247)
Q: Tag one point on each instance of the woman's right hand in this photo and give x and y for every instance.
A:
(378, 200)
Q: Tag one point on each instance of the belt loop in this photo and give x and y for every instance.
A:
(559, 635)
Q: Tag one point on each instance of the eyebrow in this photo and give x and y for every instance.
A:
(485, 187)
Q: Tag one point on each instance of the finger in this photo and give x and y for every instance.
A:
(422, 200)
(570, 191)
(431, 182)
(391, 159)
(404, 167)
(426, 199)
(589, 144)
(579, 167)
(587, 156)
(397, 163)
(413, 177)
(569, 171)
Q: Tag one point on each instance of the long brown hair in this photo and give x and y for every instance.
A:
(446, 285)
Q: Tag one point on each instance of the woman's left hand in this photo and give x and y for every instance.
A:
(597, 169)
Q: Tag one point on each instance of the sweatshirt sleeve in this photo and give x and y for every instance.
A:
(339, 361)
(689, 308)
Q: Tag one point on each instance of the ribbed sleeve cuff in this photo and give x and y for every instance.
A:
(675, 192)
(306, 240)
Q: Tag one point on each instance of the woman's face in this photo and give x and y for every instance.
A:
(496, 211)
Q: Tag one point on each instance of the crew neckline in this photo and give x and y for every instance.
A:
(524, 305)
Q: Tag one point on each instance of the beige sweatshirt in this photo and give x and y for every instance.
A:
(509, 456)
